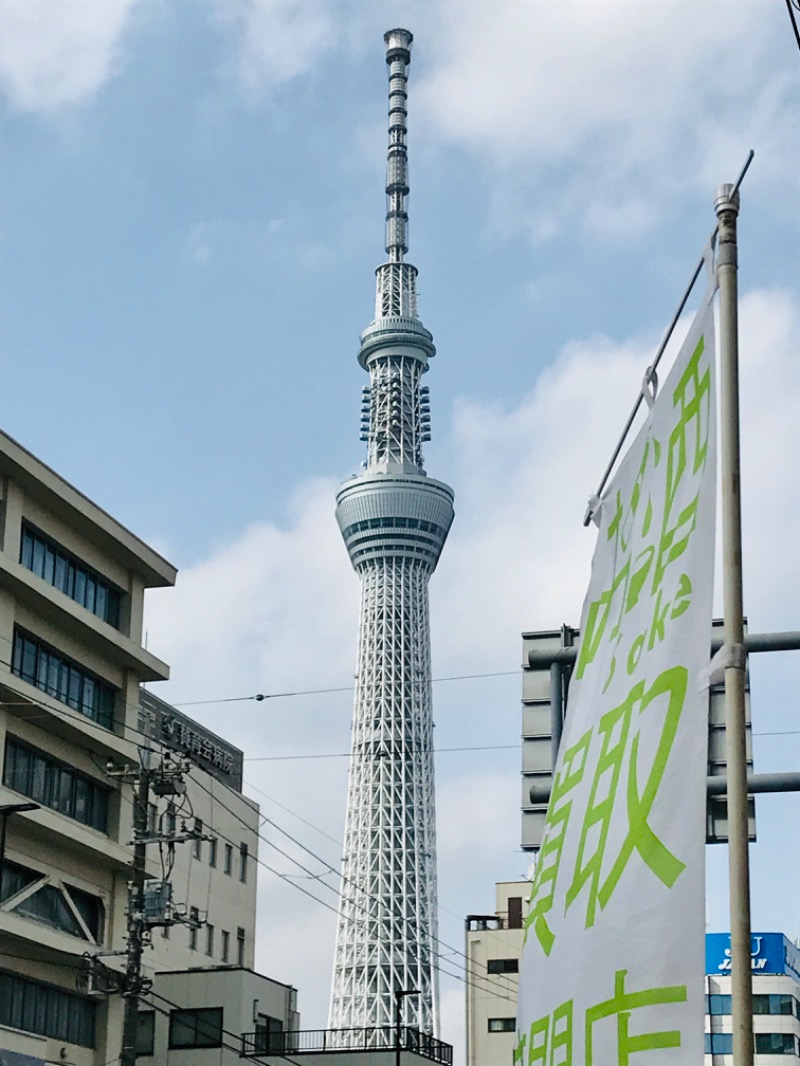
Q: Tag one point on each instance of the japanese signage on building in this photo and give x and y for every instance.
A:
(168, 726)
(770, 953)
(612, 967)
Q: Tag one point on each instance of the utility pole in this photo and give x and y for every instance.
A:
(726, 205)
(132, 984)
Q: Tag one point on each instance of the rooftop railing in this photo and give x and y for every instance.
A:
(377, 1038)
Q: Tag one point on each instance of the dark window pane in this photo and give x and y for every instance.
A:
(49, 565)
(80, 585)
(502, 966)
(62, 573)
(100, 600)
(38, 557)
(145, 1032)
(195, 1028)
(26, 549)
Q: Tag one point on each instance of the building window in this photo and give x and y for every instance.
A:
(776, 1044)
(719, 1044)
(240, 946)
(62, 907)
(502, 966)
(209, 939)
(719, 1004)
(36, 1007)
(197, 848)
(55, 785)
(243, 863)
(226, 945)
(63, 571)
(170, 820)
(775, 1003)
(63, 679)
(152, 819)
(502, 1025)
(228, 867)
(212, 852)
(194, 925)
(195, 1028)
(146, 1032)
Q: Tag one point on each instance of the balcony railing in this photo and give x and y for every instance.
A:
(379, 1038)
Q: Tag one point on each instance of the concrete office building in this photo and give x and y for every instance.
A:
(493, 949)
(775, 963)
(72, 585)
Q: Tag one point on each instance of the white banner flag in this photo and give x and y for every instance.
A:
(612, 969)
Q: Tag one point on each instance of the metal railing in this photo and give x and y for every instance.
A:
(377, 1038)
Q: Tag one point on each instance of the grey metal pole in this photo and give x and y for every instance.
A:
(556, 710)
(726, 205)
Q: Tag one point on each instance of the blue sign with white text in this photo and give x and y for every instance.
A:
(771, 953)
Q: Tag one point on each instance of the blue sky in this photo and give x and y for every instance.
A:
(192, 212)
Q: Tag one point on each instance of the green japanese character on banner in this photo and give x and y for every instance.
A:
(692, 397)
(630, 574)
(615, 729)
(622, 1004)
(548, 1040)
(549, 860)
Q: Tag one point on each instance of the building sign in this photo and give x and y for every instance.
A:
(770, 953)
(604, 980)
(168, 726)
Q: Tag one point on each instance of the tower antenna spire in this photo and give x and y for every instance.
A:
(394, 520)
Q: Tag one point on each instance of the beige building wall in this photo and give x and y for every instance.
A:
(65, 873)
(217, 877)
(493, 949)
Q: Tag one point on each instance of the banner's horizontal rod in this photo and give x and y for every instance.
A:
(662, 347)
(715, 786)
(789, 641)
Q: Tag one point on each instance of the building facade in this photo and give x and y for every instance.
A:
(493, 950)
(214, 873)
(775, 963)
(72, 585)
(394, 520)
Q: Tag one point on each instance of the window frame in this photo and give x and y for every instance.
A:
(199, 1016)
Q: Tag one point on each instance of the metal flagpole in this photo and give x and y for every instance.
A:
(726, 205)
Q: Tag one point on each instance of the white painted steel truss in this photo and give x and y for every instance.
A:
(394, 520)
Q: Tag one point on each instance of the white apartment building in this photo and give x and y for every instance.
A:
(493, 949)
(72, 585)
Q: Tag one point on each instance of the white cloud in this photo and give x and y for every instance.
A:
(610, 102)
(276, 610)
(58, 55)
(277, 40)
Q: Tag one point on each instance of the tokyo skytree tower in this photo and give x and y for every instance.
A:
(394, 520)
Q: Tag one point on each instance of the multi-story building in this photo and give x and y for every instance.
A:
(72, 584)
(775, 963)
(493, 950)
(213, 876)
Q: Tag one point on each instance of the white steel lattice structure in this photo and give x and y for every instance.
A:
(394, 520)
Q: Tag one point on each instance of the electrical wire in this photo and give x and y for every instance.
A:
(789, 5)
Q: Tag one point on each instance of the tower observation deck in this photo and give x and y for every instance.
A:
(394, 520)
